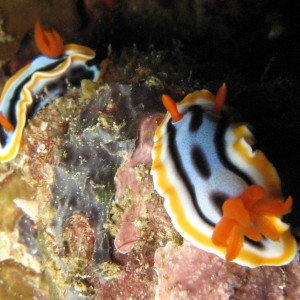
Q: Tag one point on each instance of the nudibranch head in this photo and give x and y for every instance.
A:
(48, 41)
(221, 195)
(31, 87)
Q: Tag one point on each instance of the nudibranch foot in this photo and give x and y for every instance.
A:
(202, 161)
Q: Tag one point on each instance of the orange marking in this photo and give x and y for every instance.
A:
(170, 105)
(248, 214)
(5, 123)
(220, 98)
(48, 41)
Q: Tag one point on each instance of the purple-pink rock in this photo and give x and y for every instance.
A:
(189, 273)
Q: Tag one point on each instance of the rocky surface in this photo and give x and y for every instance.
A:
(85, 213)
(189, 273)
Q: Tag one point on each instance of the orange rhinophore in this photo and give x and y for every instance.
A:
(48, 41)
(170, 105)
(220, 98)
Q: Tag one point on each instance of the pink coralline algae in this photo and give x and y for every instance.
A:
(189, 273)
(127, 178)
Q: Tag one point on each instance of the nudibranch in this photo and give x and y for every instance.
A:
(221, 195)
(31, 87)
